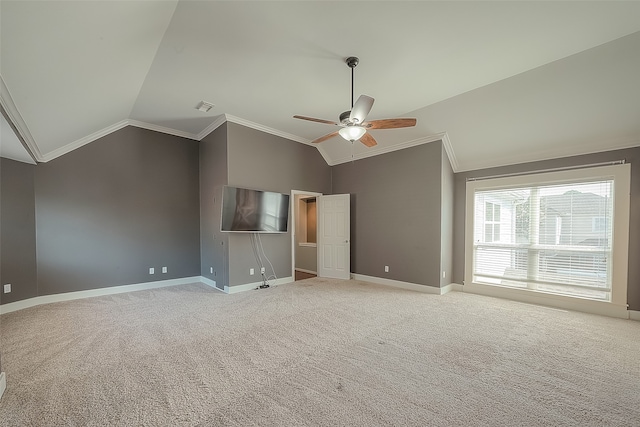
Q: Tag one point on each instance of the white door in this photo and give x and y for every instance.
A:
(334, 238)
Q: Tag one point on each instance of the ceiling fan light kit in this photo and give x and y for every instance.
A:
(352, 133)
(353, 124)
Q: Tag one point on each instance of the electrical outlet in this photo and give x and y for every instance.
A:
(252, 271)
(444, 274)
(386, 268)
(211, 270)
(152, 270)
(7, 288)
(164, 269)
(262, 270)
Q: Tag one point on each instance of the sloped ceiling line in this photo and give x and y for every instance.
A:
(16, 118)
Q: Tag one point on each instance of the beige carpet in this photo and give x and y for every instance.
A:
(316, 353)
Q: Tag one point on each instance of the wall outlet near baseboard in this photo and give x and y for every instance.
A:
(386, 268)
(211, 270)
(7, 288)
(262, 270)
(164, 269)
(252, 271)
(152, 270)
(444, 274)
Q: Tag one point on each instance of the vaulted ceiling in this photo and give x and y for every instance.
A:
(498, 82)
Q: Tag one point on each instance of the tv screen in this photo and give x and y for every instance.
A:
(254, 211)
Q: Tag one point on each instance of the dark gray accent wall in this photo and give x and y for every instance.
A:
(17, 231)
(631, 155)
(395, 213)
(446, 220)
(213, 176)
(267, 162)
(109, 210)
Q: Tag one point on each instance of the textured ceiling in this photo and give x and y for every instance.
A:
(499, 82)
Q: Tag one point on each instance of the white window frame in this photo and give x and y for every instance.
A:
(621, 175)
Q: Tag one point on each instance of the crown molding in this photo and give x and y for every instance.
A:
(219, 121)
(448, 148)
(383, 150)
(84, 140)
(266, 129)
(16, 119)
(162, 129)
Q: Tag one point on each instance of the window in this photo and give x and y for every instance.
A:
(551, 233)
(492, 222)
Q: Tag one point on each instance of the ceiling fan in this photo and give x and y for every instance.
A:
(353, 124)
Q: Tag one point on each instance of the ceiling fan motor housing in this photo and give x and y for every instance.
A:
(344, 117)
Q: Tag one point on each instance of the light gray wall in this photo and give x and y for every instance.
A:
(395, 213)
(213, 176)
(446, 221)
(109, 210)
(17, 231)
(267, 162)
(631, 155)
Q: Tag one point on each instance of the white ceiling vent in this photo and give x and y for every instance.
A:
(204, 106)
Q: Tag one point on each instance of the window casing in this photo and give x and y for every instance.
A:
(560, 234)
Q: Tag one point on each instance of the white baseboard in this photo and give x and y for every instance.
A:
(255, 285)
(306, 271)
(68, 296)
(402, 285)
(3, 383)
(210, 282)
(634, 315)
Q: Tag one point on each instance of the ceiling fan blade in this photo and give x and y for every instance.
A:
(368, 140)
(324, 138)
(390, 123)
(360, 109)
(311, 119)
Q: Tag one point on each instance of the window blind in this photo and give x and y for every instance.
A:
(550, 238)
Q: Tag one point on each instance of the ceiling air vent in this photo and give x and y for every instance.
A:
(204, 106)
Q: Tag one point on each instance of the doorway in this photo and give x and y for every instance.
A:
(304, 242)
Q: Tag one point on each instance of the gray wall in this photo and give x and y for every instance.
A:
(109, 210)
(447, 198)
(17, 231)
(631, 155)
(267, 162)
(213, 176)
(395, 213)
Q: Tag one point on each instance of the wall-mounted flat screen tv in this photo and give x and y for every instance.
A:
(254, 211)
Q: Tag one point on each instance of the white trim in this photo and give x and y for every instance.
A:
(84, 141)
(622, 176)
(251, 286)
(219, 121)
(451, 287)
(3, 383)
(266, 129)
(308, 245)
(68, 296)
(388, 149)
(162, 129)
(634, 315)
(209, 282)
(16, 118)
(550, 300)
(402, 285)
(303, 270)
(448, 148)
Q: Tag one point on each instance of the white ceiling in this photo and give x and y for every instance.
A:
(499, 82)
